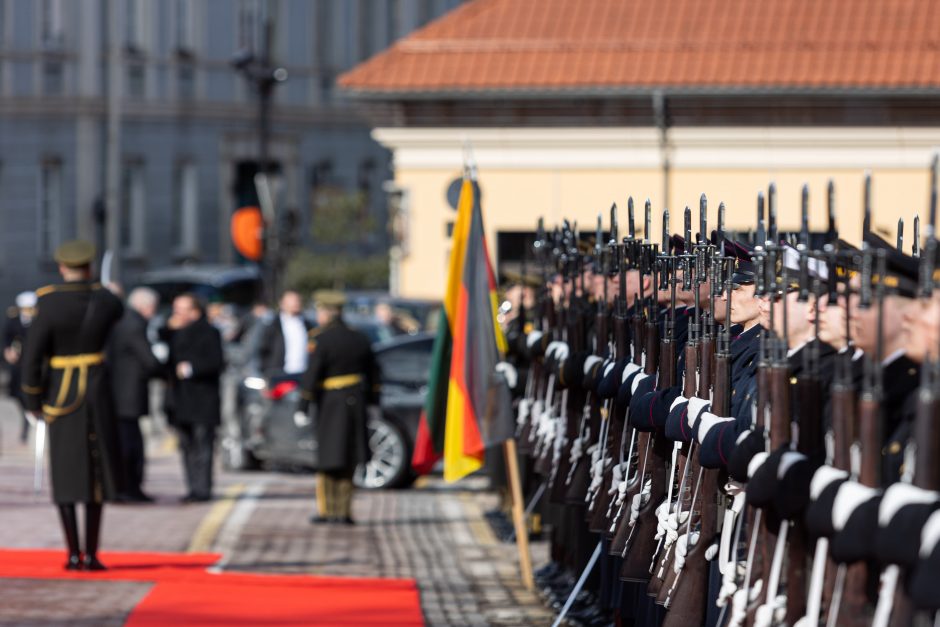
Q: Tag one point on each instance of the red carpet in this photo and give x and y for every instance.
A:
(186, 594)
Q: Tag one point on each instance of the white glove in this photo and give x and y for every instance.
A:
(533, 338)
(509, 372)
(34, 417)
(301, 419)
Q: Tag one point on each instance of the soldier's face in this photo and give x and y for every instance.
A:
(720, 307)
(831, 322)
(745, 307)
(797, 316)
(863, 323)
(921, 329)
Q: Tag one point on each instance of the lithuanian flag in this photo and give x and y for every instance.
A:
(468, 406)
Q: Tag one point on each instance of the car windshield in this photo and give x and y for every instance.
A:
(406, 363)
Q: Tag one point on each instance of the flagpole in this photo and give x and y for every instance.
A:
(518, 514)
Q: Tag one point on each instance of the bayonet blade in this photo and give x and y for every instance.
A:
(614, 227)
(687, 232)
(804, 218)
(901, 235)
(866, 218)
(702, 219)
(934, 167)
(647, 236)
(666, 248)
(915, 248)
(832, 231)
(631, 232)
(772, 214)
(760, 235)
(721, 228)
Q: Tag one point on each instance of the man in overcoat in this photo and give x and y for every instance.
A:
(342, 382)
(193, 398)
(65, 383)
(133, 364)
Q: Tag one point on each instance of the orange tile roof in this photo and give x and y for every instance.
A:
(632, 45)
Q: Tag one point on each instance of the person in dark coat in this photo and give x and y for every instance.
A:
(193, 395)
(133, 364)
(14, 337)
(342, 382)
(65, 382)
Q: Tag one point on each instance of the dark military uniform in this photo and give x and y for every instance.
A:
(64, 378)
(341, 381)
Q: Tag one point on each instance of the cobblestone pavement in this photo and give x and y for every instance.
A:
(435, 534)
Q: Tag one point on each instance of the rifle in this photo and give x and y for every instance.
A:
(641, 539)
(854, 607)
(688, 595)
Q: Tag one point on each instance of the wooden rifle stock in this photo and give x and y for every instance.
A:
(707, 360)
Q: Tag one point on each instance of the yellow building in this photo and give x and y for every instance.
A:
(567, 107)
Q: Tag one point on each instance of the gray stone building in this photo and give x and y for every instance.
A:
(188, 142)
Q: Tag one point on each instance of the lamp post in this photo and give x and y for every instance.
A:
(259, 71)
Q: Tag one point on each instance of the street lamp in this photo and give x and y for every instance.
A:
(264, 76)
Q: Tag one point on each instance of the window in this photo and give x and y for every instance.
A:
(50, 206)
(184, 25)
(366, 29)
(324, 46)
(51, 23)
(52, 81)
(132, 208)
(251, 19)
(134, 25)
(185, 211)
(135, 80)
(186, 81)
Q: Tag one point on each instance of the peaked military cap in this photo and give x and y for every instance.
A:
(75, 253)
(329, 298)
(901, 271)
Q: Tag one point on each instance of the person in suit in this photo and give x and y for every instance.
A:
(133, 365)
(14, 337)
(193, 395)
(342, 381)
(65, 382)
(283, 346)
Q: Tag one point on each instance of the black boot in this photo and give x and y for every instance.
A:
(92, 527)
(70, 530)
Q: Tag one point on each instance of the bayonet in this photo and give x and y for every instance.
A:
(866, 219)
(760, 238)
(630, 229)
(900, 245)
(832, 232)
(721, 229)
(702, 219)
(647, 236)
(803, 245)
(915, 247)
(772, 214)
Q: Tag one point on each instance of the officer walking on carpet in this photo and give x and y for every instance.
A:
(341, 381)
(65, 383)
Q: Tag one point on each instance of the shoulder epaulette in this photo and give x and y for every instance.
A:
(46, 289)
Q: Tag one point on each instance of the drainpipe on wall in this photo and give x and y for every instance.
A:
(660, 119)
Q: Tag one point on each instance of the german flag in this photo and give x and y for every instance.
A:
(468, 407)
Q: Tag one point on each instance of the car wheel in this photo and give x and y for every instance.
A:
(236, 457)
(390, 464)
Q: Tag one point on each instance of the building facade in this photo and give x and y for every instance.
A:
(568, 107)
(187, 131)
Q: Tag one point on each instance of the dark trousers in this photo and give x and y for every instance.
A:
(197, 443)
(131, 442)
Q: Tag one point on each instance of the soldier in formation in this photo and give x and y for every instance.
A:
(736, 428)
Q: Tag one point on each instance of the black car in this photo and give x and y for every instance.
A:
(265, 429)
